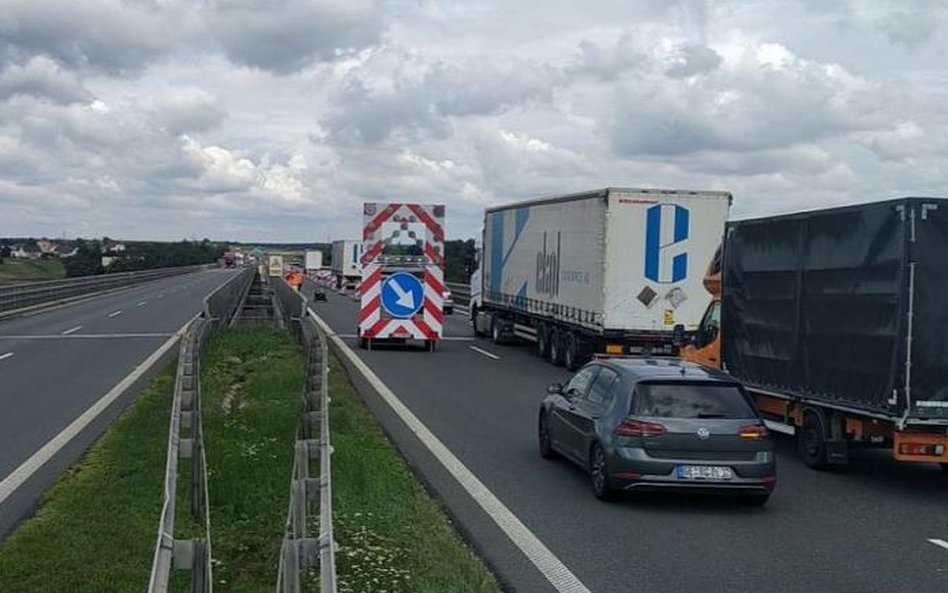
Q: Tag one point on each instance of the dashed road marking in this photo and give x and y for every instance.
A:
(484, 352)
(114, 314)
(73, 330)
(6, 356)
(939, 542)
(143, 303)
(86, 336)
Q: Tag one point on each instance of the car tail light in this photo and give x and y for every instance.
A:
(753, 431)
(638, 428)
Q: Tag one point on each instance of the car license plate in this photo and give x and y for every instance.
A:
(704, 472)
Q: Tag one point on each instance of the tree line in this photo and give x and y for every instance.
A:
(140, 255)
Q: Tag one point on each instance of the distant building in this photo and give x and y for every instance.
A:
(47, 247)
(27, 250)
(115, 247)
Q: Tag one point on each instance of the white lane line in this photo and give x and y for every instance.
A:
(21, 474)
(73, 330)
(551, 567)
(143, 303)
(114, 314)
(939, 542)
(6, 356)
(86, 336)
(161, 295)
(484, 352)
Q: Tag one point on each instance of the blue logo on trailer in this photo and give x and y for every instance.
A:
(666, 228)
(402, 295)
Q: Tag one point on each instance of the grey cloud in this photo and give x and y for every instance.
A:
(424, 102)
(608, 62)
(910, 28)
(286, 35)
(41, 77)
(188, 112)
(114, 37)
(691, 60)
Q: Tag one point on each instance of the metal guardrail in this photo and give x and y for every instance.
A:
(186, 441)
(21, 296)
(300, 551)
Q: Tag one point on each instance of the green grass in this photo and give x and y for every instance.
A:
(251, 380)
(392, 535)
(30, 270)
(95, 531)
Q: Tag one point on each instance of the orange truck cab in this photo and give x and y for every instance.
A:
(834, 321)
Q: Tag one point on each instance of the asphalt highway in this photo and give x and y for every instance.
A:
(55, 364)
(867, 528)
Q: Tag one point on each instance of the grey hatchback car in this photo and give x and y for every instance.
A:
(642, 424)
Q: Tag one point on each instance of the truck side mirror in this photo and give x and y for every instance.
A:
(678, 335)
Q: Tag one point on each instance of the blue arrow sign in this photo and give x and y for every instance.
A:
(402, 295)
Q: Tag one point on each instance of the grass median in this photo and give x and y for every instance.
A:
(96, 527)
(393, 536)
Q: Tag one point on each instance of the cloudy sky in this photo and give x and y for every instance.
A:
(273, 119)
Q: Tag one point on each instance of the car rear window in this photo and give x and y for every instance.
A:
(691, 400)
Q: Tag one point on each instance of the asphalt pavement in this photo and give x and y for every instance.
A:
(55, 364)
(865, 528)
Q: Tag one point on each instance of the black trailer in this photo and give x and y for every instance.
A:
(842, 316)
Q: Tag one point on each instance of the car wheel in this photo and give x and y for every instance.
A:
(811, 441)
(556, 348)
(598, 474)
(755, 500)
(546, 441)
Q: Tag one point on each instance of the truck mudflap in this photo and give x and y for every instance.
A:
(928, 447)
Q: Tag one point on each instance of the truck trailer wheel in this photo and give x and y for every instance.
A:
(497, 331)
(543, 341)
(571, 357)
(556, 348)
(811, 440)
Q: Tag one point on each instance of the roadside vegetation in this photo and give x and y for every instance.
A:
(252, 379)
(30, 270)
(96, 527)
(392, 535)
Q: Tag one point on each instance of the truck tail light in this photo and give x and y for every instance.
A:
(921, 449)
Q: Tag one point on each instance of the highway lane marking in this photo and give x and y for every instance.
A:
(939, 542)
(114, 314)
(484, 352)
(87, 336)
(23, 473)
(6, 356)
(73, 330)
(143, 303)
(161, 296)
(551, 567)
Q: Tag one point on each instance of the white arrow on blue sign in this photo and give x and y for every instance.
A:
(402, 295)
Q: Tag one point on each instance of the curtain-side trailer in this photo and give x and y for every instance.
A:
(836, 321)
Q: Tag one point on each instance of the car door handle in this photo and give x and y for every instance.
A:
(595, 417)
(572, 408)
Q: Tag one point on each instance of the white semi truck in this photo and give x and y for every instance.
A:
(346, 263)
(313, 261)
(610, 271)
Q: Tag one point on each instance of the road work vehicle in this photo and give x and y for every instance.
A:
(836, 322)
(607, 271)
